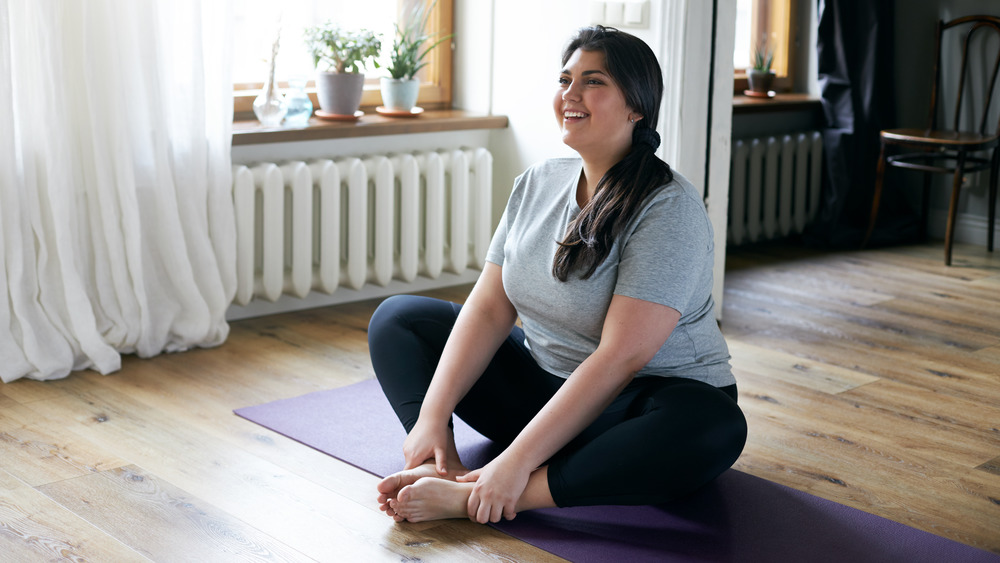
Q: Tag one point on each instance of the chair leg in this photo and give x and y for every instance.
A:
(956, 187)
(877, 197)
(993, 197)
(925, 202)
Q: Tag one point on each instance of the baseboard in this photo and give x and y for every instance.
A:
(287, 303)
(969, 228)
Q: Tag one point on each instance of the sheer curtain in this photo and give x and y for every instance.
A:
(116, 223)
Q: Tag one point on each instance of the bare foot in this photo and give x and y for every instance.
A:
(389, 487)
(431, 499)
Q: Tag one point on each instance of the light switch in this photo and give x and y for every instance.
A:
(614, 13)
(635, 13)
(596, 12)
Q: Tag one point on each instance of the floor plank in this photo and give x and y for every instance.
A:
(162, 522)
(38, 451)
(33, 527)
(794, 369)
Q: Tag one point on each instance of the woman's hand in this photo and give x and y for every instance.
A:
(427, 442)
(499, 485)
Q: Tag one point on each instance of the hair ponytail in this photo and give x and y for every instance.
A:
(626, 185)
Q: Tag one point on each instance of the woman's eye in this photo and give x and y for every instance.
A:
(563, 80)
(594, 81)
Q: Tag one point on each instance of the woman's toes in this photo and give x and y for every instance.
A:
(388, 485)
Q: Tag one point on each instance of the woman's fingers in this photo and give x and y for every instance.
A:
(470, 476)
(473, 505)
(483, 511)
(489, 513)
(441, 460)
(496, 512)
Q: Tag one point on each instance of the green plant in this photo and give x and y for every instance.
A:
(406, 58)
(342, 50)
(762, 58)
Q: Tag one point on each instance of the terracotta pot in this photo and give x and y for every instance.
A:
(339, 93)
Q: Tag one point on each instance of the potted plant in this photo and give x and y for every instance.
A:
(760, 76)
(401, 87)
(339, 56)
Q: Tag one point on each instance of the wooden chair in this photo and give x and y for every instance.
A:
(950, 150)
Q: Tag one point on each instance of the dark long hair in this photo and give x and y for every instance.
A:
(625, 186)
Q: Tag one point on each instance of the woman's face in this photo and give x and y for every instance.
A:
(590, 108)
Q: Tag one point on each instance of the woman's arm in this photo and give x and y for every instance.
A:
(634, 330)
(485, 320)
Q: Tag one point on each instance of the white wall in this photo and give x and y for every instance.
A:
(508, 58)
(527, 41)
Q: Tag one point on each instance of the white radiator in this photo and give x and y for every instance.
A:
(348, 222)
(774, 186)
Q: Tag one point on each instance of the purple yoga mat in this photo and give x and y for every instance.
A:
(738, 517)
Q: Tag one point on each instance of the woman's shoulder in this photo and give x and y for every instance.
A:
(675, 202)
(553, 167)
(534, 186)
(678, 187)
(679, 193)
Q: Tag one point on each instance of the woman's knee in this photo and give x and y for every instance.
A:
(402, 318)
(389, 312)
(703, 417)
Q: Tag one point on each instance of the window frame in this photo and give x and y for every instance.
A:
(435, 78)
(785, 57)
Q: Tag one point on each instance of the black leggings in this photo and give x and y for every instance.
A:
(660, 439)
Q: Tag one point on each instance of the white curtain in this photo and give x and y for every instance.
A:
(116, 223)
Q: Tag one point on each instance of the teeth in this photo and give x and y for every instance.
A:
(574, 114)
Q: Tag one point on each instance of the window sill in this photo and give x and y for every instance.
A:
(780, 102)
(251, 132)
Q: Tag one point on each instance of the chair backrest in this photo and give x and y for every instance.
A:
(976, 25)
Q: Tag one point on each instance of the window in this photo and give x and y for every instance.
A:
(765, 22)
(257, 23)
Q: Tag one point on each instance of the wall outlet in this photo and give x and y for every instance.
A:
(636, 13)
(620, 13)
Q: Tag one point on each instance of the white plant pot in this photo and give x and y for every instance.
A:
(339, 93)
(400, 93)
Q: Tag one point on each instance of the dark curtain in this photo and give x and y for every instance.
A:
(855, 49)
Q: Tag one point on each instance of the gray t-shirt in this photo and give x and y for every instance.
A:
(664, 256)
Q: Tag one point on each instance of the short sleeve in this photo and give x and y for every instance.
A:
(495, 253)
(668, 256)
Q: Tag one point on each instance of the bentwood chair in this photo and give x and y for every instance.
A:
(950, 150)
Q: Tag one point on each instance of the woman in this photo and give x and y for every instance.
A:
(618, 388)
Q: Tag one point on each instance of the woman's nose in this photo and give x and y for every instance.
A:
(572, 92)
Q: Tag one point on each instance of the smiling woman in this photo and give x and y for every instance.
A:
(258, 22)
(615, 387)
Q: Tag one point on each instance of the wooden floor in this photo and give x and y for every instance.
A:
(869, 378)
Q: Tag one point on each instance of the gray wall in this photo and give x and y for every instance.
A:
(915, 21)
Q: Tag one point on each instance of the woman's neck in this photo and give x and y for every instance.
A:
(593, 171)
(596, 163)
